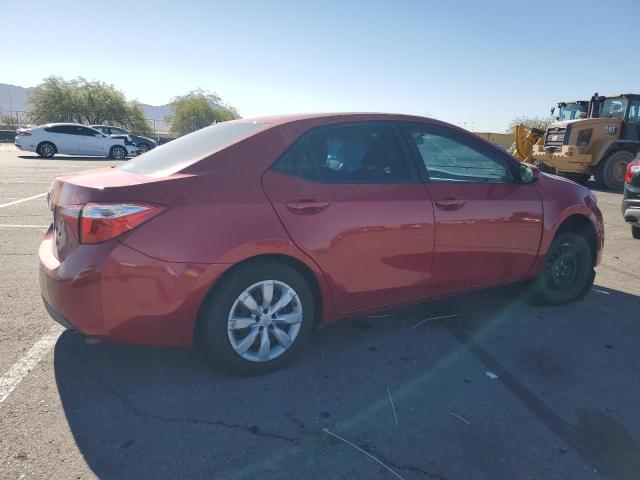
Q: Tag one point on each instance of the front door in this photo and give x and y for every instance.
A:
(345, 196)
(488, 226)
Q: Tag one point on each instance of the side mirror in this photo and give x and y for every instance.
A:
(528, 173)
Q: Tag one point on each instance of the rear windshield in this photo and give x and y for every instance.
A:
(182, 152)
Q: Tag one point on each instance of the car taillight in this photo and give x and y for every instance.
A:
(71, 215)
(632, 169)
(100, 222)
(23, 133)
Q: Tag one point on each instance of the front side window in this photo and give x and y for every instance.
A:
(448, 157)
(349, 153)
(118, 131)
(87, 132)
(613, 108)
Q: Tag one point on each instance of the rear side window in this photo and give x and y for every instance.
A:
(184, 151)
(350, 153)
(68, 129)
(449, 157)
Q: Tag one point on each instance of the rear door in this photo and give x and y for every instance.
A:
(349, 199)
(90, 141)
(63, 137)
(488, 226)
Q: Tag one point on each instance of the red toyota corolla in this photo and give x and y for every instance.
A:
(246, 234)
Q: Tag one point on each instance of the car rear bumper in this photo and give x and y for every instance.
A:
(631, 204)
(114, 292)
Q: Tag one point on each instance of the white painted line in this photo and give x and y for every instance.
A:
(433, 318)
(600, 291)
(10, 380)
(22, 200)
(392, 406)
(6, 225)
(24, 181)
(325, 430)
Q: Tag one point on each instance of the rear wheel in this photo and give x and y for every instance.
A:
(635, 232)
(610, 171)
(258, 318)
(567, 271)
(46, 150)
(117, 152)
(143, 147)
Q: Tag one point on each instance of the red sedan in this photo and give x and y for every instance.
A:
(246, 234)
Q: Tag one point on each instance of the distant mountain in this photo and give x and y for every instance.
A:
(13, 97)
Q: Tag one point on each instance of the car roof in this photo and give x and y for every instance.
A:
(65, 123)
(275, 120)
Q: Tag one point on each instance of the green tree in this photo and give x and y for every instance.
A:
(530, 122)
(81, 101)
(198, 109)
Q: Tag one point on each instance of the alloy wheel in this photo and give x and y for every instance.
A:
(264, 321)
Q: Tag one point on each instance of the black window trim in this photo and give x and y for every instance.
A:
(413, 175)
(467, 139)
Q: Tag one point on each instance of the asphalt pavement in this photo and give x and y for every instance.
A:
(481, 386)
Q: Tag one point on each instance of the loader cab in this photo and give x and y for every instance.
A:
(626, 108)
(571, 110)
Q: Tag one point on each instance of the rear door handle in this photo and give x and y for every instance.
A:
(306, 205)
(450, 202)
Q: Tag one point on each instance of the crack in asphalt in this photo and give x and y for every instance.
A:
(252, 429)
(409, 468)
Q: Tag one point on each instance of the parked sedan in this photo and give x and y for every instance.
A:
(245, 235)
(143, 144)
(72, 139)
(631, 197)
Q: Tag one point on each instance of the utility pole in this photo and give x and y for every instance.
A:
(11, 106)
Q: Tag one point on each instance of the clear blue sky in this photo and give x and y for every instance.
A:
(466, 61)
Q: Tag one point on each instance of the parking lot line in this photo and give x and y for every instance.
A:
(22, 367)
(6, 225)
(22, 200)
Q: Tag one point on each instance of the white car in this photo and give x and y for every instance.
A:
(73, 139)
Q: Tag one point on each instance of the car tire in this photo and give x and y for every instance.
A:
(567, 271)
(118, 152)
(609, 173)
(635, 232)
(46, 149)
(238, 327)
(143, 147)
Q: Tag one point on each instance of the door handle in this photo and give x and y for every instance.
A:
(307, 205)
(450, 202)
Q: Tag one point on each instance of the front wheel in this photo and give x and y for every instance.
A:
(117, 152)
(567, 271)
(610, 171)
(143, 147)
(635, 232)
(258, 318)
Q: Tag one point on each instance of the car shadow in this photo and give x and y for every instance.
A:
(147, 413)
